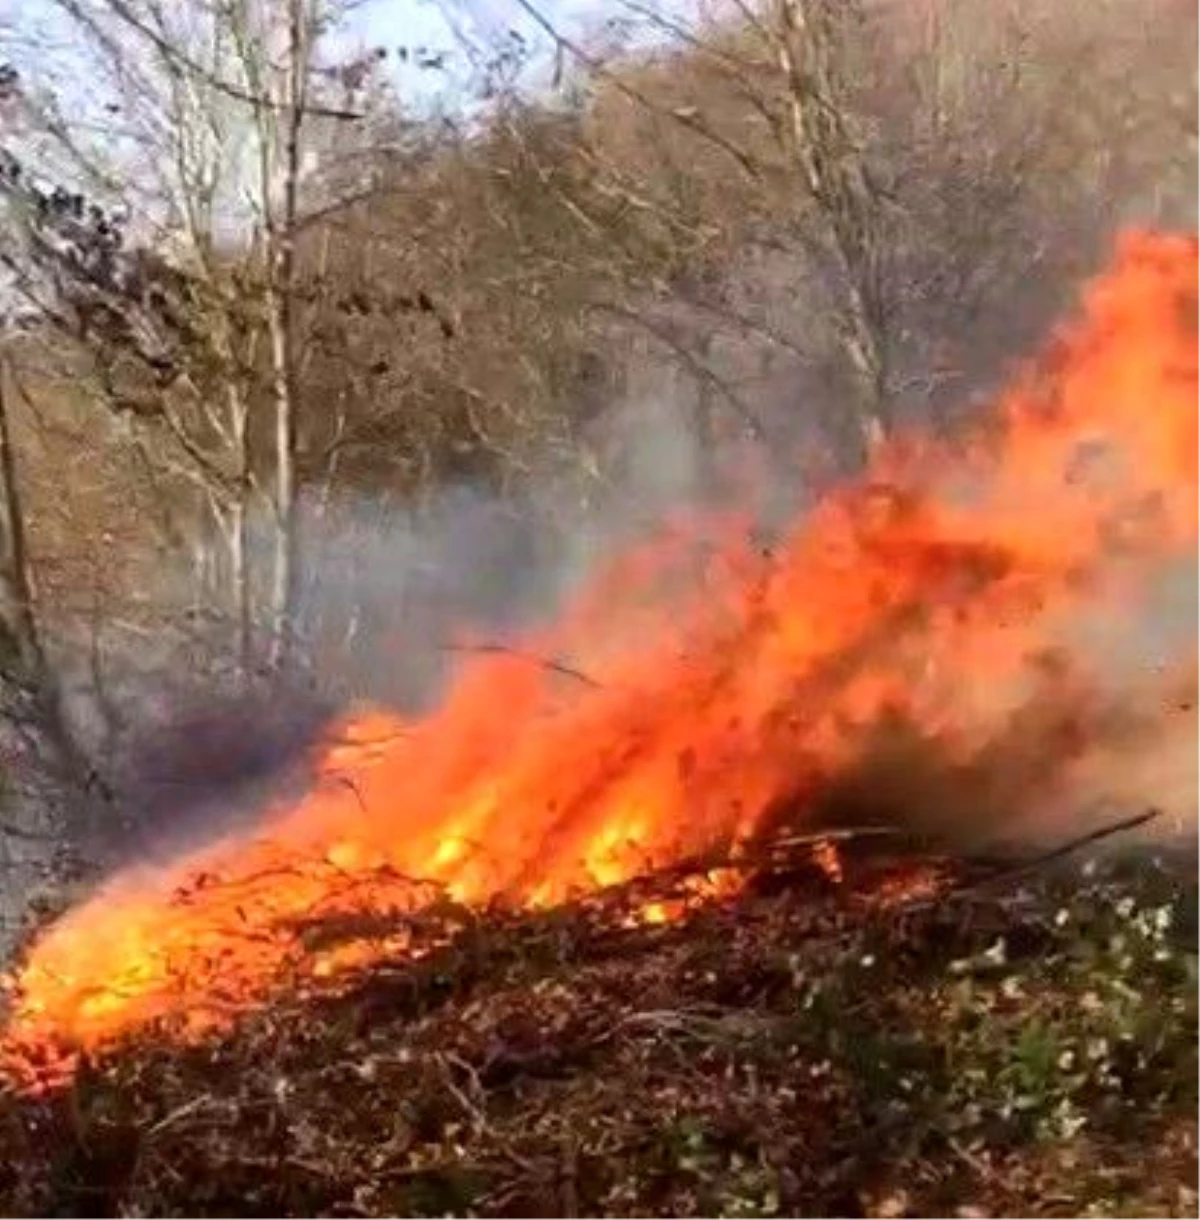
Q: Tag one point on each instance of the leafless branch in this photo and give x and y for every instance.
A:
(176, 55)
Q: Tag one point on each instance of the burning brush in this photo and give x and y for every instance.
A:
(918, 632)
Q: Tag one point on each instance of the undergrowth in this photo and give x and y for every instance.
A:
(1017, 1045)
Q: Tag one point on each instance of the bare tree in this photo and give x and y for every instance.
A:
(775, 116)
(193, 323)
(820, 140)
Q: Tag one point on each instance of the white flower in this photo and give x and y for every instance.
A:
(1068, 1119)
(997, 955)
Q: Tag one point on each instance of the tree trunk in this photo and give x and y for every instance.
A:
(281, 303)
(239, 530)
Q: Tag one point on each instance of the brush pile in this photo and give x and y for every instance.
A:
(888, 1032)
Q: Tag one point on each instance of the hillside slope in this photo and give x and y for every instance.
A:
(920, 1037)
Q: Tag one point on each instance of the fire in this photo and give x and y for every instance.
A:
(694, 713)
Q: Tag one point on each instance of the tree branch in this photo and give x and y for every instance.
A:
(187, 64)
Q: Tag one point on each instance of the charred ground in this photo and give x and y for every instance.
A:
(926, 1036)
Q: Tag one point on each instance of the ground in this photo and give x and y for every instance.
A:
(924, 1037)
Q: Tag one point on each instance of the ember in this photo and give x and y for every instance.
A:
(706, 718)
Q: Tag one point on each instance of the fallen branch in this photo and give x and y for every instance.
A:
(1021, 867)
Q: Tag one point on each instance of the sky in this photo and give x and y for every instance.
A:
(40, 40)
(29, 27)
(444, 25)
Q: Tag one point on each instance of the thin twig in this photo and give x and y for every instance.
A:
(840, 835)
(184, 62)
(558, 667)
(696, 366)
(683, 117)
(189, 1107)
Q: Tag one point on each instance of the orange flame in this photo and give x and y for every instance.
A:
(687, 720)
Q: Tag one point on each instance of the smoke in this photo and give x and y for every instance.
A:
(1066, 760)
(206, 760)
(1100, 725)
(389, 596)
